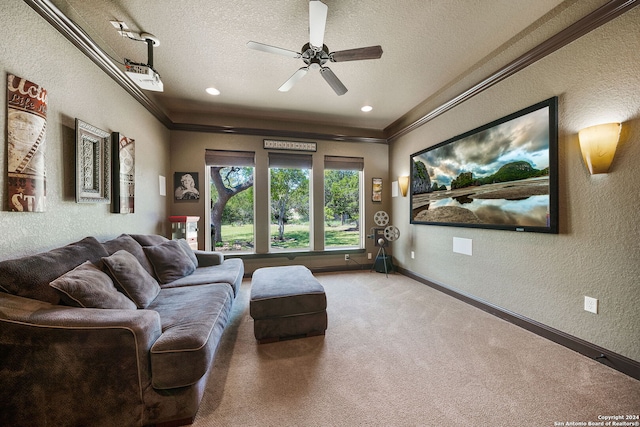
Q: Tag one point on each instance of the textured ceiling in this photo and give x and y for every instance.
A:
(426, 43)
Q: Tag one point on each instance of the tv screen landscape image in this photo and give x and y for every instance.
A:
(503, 175)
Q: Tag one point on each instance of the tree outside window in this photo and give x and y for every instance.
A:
(342, 202)
(231, 185)
(289, 188)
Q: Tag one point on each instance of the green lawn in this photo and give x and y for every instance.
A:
(296, 236)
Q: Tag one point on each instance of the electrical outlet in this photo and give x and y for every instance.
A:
(413, 255)
(347, 257)
(591, 304)
(369, 255)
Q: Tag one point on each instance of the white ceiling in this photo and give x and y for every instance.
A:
(426, 44)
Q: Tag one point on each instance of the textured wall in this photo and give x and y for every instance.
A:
(187, 154)
(597, 253)
(31, 48)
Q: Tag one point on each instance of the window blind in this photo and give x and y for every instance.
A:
(290, 161)
(229, 158)
(343, 163)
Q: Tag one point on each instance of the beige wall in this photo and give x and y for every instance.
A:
(31, 48)
(597, 253)
(187, 154)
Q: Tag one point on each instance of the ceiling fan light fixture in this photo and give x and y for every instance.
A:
(315, 54)
(212, 91)
(366, 108)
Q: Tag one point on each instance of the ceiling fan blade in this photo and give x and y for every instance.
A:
(317, 22)
(293, 79)
(371, 52)
(272, 49)
(333, 81)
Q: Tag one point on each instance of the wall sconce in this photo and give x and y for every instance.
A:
(403, 182)
(598, 145)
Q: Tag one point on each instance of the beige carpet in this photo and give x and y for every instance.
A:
(398, 353)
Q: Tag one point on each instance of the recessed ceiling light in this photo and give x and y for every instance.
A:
(367, 108)
(213, 91)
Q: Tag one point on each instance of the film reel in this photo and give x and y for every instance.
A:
(381, 218)
(391, 233)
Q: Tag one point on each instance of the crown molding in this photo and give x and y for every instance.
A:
(595, 19)
(85, 44)
(273, 133)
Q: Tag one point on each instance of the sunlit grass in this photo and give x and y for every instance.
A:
(296, 236)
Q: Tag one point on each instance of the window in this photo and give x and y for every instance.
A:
(290, 227)
(231, 189)
(342, 202)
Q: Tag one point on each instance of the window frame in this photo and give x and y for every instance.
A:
(344, 163)
(227, 158)
(279, 160)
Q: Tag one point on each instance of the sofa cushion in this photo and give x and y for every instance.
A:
(187, 250)
(208, 258)
(193, 320)
(30, 276)
(129, 244)
(169, 261)
(149, 239)
(86, 286)
(131, 279)
(230, 271)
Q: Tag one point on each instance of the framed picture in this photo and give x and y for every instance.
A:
(26, 143)
(376, 192)
(503, 175)
(186, 186)
(124, 173)
(93, 164)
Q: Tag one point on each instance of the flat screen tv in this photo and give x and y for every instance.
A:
(503, 175)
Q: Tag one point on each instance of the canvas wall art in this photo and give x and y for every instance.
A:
(503, 175)
(26, 138)
(124, 173)
(376, 189)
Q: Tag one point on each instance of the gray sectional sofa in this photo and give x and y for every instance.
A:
(117, 333)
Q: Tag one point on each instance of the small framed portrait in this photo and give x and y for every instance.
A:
(186, 186)
(376, 194)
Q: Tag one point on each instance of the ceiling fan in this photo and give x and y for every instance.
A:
(315, 54)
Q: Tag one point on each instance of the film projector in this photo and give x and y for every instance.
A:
(382, 236)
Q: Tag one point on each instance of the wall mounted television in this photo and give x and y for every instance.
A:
(503, 175)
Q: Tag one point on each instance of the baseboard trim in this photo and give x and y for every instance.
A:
(337, 268)
(606, 357)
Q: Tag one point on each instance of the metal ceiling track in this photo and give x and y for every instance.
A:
(84, 43)
(595, 19)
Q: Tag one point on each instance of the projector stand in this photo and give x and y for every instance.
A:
(384, 261)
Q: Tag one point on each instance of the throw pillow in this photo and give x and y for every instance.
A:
(131, 278)
(86, 286)
(149, 239)
(129, 244)
(30, 276)
(169, 261)
(184, 245)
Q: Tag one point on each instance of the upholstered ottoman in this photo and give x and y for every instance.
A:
(287, 302)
